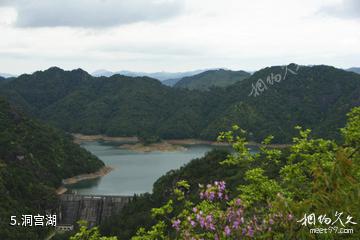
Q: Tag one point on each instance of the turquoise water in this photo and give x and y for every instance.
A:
(133, 172)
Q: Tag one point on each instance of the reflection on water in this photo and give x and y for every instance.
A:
(133, 172)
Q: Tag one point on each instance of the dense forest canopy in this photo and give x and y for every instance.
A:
(34, 158)
(316, 97)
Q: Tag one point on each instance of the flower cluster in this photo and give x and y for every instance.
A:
(176, 224)
(214, 191)
(221, 218)
(205, 221)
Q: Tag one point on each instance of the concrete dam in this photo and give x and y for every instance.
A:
(92, 208)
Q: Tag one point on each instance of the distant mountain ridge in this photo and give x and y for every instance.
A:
(316, 97)
(161, 76)
(354, 69)
(7, 75)
(212, 78)
(102, 73)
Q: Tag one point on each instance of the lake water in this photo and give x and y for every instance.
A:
(133, 172)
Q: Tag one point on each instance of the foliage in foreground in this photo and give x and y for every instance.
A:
(320, 177)
(86, 233)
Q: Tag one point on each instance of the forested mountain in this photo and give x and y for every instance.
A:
(118, 105)
(212, 78)
(34, 158)
(317, 97)
(271, 101)
(354, 69)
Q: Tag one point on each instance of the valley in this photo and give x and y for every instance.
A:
(68, 132)
(179, 120)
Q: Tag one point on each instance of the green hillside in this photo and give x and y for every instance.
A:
(212, 78)
(315, 97)
(34, 158)
(119, 105)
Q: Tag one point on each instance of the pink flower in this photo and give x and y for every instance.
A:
(227, 231)
(201, 195)
(250, 232)
(236, 224)
(212, 196)
(176, 224)
(212, 227)
(209, 218)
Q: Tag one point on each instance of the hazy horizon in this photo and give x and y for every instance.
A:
(9, 74)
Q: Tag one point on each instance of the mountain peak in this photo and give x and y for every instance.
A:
(54, 69)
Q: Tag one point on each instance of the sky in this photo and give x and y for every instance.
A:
(177, 35)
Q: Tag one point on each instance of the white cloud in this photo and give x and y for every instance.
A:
(235, 34)
(91, 13)
(343, 9)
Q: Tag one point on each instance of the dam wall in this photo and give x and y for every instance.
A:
(92, 208)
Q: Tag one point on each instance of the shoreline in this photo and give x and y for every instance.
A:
(133, 143)
(163, 146)
(79, 138)
(82, 177)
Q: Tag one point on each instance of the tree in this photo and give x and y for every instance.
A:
(86, 233)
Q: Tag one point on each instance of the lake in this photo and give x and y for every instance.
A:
(134, 172)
